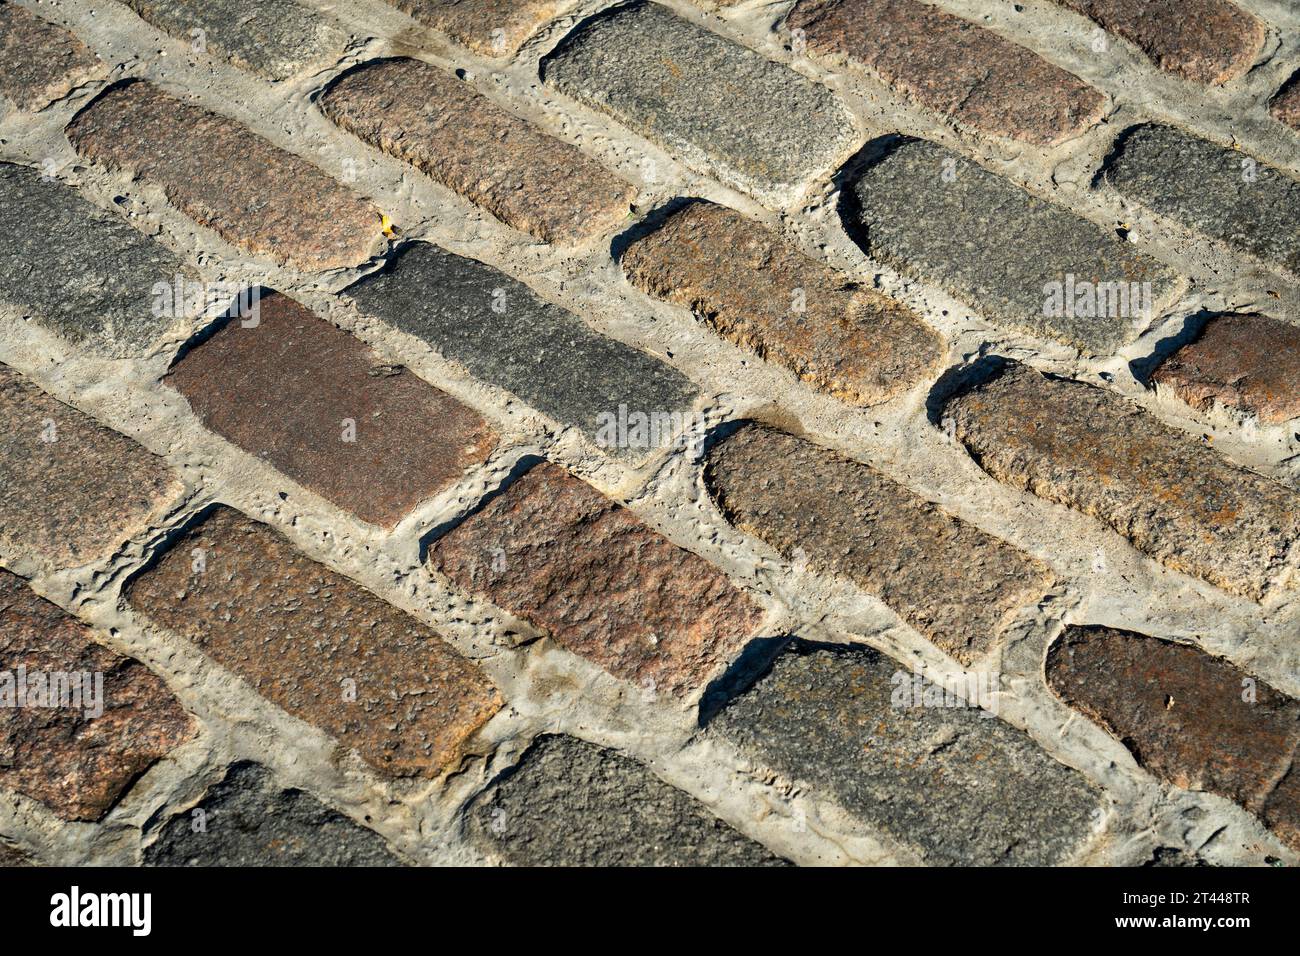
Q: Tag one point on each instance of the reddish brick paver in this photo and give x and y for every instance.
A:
(70, 489)
(41, 61)
(1248, 362)
(306, 637)
(371, 438)
(494, 28)
(218, 172)
(952, 66)
(760, 293)
(78, 761)
(440, 125)
(605, 586)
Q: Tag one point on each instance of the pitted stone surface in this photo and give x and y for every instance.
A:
(555, 551)
(503, 333)
(307, 639)
(1206, 41)
(79, 271)
(571, 803)
(1286, 105)
(443, 127)
(249, 821)
(1193, 720)
(952, 582)
(71, 490)
(224, 176)
(494, 28)
(938, 217)
(1221, 193)
(1171, 496)
(42, 61)
(258, 382)
(276, 39)
(954, 784)
(762, 294)
(952, 66)
(1249, 362)
(78, 761)
(720, 107)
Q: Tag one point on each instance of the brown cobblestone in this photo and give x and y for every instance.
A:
(42, 62)
(951, 66)
(1248, 362)
(299, 632)
(1094, 451)
(949, 580)
(77, 762)
(495, 28)
(219, 173)
(441, 126)
(760, 293)
(554, 551)
(70, 489)
(262, 388)
(1286, 105)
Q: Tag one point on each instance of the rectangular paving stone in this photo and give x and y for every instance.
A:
(77, 760)
(495, 28)
(760, 293)
(71, 490)
(42, 62)
(1286, 105)
(276, 39)
(1171, 496)
(1206, 41)
(1016, 259)
(222, 175)
(503, 333)
(719, 107)
(250, 821)
(554, 551)
(1192, 720)
(440, 125)
(1221, 193)
(952, 582)
(1246, 362)
(951, 66)
(79, 271)
(571, 803)
(317, 645)
(952, 784)
(284, 389)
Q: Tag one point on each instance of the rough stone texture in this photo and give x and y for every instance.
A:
(996, 247)
(12, 856)
(218, 172)
(298, 632)
(720, 107)
(955, 784)
(1171, 496)
(495, 28)
(759, 292)
(276, 39)
(1193, 720)
(250, 821)
(1206, 41)
(556, 552)
(443, 127)
(950, 65)
(1286, 105)
(42, 62)
(544, 354)
(1221, 193)
(77, 764)
(262, 388)
(571, 803)
(76, 270)
(70, 489)
(1248, 362)
(946, 578)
